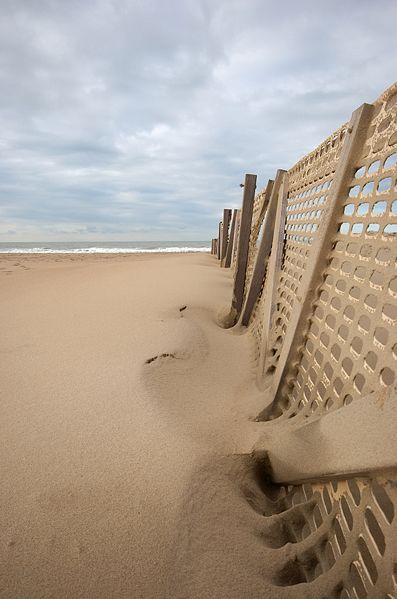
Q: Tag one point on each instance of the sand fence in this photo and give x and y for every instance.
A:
(314, 259)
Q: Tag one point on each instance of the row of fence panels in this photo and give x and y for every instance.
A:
(314, 261)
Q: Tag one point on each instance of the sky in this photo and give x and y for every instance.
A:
(137, 119)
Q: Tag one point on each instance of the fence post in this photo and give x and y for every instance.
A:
(313, 274)
(228, 259)
(226, 221)
(274, 267)
(243, 246)
(235, 240)
(262, 257)
(219, 241)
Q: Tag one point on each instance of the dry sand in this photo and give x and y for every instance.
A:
(120, 415)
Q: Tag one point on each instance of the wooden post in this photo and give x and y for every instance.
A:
(273, 269)
(312, 276)
(228, 259)
(219, 241)
(262, 257)
(243, 246)
(235, 240)
(227, 213)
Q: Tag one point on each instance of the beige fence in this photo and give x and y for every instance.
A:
(319, 297)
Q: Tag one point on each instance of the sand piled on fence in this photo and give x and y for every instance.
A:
(121, 400)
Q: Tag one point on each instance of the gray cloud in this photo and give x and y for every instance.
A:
(126, 119)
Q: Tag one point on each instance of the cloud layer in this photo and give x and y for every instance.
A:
(137, 119)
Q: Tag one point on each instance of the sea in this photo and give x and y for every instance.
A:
(104, 247)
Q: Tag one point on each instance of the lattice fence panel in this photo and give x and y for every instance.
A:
(309, 184)
(339, 539)
(350, 348)
(333, 541)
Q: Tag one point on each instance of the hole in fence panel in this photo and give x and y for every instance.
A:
(370, 361)
(387, 377)
(381, 337)
(337, 387)
(357, 228)
(324, 340)
(348, 313)
(346, 268)
(367, 560)
(336, 304)
(390, 161)
(329, 554)
(356, 346)
(364, 324)
(352, 249)
(321, 391)
(349, 209)
(357, 581)
(363, 209)
(373, 167)
(376, 280)
(389, 313)
(384, 185)
(354, 191)
(370, 302)
(383, 501)
(340, 537)
(347, 367)
(372, 228)
(368, 188)
(330, 322)
(354, 491)
(379, 208)
(317, 517)
(343, 332)
(375, 531)
(354, 292)
(383, 256)
(360, 172)
(318, 357)
(328, 372)
(359, 382)
(327, 500)
(347, 400)
(393, 287)
(390, 229)
(346, 512)
(366, 252)
(335, 352)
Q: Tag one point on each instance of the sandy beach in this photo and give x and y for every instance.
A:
(122, 405)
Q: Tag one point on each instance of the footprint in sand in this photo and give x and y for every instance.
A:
(150, 360)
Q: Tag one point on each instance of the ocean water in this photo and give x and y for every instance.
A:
(105, 247)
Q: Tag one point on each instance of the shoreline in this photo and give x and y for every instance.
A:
(10, 263)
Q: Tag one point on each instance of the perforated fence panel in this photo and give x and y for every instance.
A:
(350, 346)
(336, 539)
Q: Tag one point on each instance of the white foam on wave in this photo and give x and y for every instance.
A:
(100, 250)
